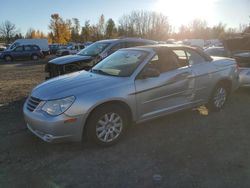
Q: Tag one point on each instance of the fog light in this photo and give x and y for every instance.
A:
(48, 137)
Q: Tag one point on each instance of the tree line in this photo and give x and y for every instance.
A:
(143, 24)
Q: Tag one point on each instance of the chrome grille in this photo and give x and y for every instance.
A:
(32, 103)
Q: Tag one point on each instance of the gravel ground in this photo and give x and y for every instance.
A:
(186, 149)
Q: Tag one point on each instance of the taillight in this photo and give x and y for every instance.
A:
(237, 67)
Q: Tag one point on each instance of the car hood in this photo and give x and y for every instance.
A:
(70, 59)
(242, 54)
(77, 83)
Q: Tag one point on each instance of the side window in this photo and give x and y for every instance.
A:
(154, 63)
(19, 49)
(27, 48)
(194, 58)
(164, 62)
(116, 47)
(35, 47)
(182, 57)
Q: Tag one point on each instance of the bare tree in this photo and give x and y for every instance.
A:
(146, 24)
(7, 31)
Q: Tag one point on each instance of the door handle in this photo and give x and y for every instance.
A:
(184, 74)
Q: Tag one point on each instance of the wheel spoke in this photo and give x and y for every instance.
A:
(101, 134)
(112, 117)
(106, 136)
(117, 125)
(106, 117)
(102, 123)
(109, 127)
(116, 119)
(117, 131)
(100, 128)
(219, 97)
(111, 135)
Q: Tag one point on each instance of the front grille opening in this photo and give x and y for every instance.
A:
(33, 103)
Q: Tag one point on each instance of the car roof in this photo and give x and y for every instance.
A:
(127, 40)
(215, 47)
(159, 47)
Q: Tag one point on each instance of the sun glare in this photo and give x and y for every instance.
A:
(184, 11)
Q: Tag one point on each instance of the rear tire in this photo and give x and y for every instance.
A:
(34, 57)
(8, 58)
(106, 125)
(218, 98)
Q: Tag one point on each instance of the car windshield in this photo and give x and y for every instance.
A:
(94, 49)
(122, 63)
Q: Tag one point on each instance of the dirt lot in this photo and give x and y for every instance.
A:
(187, 149)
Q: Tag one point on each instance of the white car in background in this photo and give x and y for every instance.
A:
(2, 48)
(70, 50)
(242, 58)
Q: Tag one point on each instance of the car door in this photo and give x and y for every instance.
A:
(170, 91)
(204, 72)
(27, 51)
(17, 53)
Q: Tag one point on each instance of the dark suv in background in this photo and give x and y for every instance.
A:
(90, 56)
(22, 52)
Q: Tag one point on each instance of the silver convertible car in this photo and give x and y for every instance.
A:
(131, 85)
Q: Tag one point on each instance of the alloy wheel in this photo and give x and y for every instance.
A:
(109, 127)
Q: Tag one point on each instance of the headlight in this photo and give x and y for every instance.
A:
(57, 107)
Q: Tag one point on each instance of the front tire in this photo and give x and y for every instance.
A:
(218, 98)
(106, 125)
(8, 58)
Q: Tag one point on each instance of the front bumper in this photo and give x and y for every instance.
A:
(54, 128)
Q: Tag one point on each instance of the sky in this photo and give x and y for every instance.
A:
(36, 14)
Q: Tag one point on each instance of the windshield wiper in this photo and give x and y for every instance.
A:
(99, 71)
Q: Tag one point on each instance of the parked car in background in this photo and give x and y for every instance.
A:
(213, 43)
(239, 49)
(2, 48)
(198, 43)
(70, 50)
(54, 47)
(90, 56)
(216, 51)
(130, 85)
(22, 52)
(42, 43)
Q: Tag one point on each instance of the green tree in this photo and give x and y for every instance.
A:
(110, 28)
(86, 32)
(100, 28)
(60, 29)
(75, 30)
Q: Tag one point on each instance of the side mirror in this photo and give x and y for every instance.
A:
(149, 72)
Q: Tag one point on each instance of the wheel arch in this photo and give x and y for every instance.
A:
(124, 106)
(225, 82)
(8, 55)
